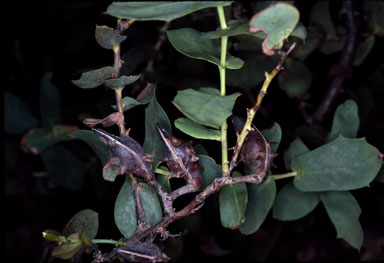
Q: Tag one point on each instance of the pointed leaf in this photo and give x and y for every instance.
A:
(232, 202)
(125, 210)
(196, 130)
(86, 221)
(343, 164)
(363, 50)
(344, 212)
(260, 201)
(345, 121)
(197, 105)
(209, 170)
(277, 21)
(17, 117)
(166, 11)
(195, 44)
(97, 146)
(121, 82)
(64, 168)
(94, 78)
(108, 37)
(296, 148)
(295, 79)
(292, 204)
(153, 144)
(50, 111)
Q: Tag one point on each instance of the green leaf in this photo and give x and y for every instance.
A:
(373, 10)
(111, 172)
(108, 37)
(50, 111)
(94, 78)
(42, 138)
(320, 16)
(260, 201)
(277, 21)
(17, 117)
(302, 50)
(166, 11)
(200, 149)
(144, 97)
(67, 250)
(197, 105)
(296, 148)
(255, 65)
(97, 146)
(343, 164)
(345, 121)
(196, 130)
(209, 170)
(195, 44)
(121, 82)
(380, 175)
(86, 221)
(125, 210)
(64, 168)
(163, 180)
(299, 31)
(274, 135)
(153, 144)
(344, 212)
(295, 79)
(332, 46)
(232, 202)
(363, 50)
(292, 204)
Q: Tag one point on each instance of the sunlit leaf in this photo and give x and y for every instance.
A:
(345, 121)
(292, 204)
(196, 130)
(166, 11)
(344, 212)
(260, 201)
(343, 164)
(197, 105)
(94, 78)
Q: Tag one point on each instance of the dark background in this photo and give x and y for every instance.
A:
(58, 37)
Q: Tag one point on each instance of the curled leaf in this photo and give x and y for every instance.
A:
(256, 151)
(126, 153)
(113, 118)
(181, 158)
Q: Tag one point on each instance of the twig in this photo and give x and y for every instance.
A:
(251, 112)
(345, 63)
(139, 205)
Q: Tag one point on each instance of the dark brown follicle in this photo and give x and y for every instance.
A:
(181, 158)
(125, 152)
(256, 151)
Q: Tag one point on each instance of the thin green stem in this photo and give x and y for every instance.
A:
(223, 60)
(286, 175)
(161, 171)
(109, 241)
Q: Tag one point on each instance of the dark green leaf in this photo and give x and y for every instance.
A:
(97, 146)
(363, 50)
(343, 164)
(380, 175)
(50, 111)
(144, 97)
(373, 10)
(295, 79)
(195, 44)
(331, 46)
(17, 117)
(274, 135)
(196, 130)
(232, 202)
(200, 150)
(209, 170)
(344, 212)
(292, 204)
(125, 210)
(277, 21)
(42, 138)
(299, 31)
(296, 148)
(260, 201)
(345, 121)
(320, 16)
(197, 105)
(86, 221)
(255, 65)
(63, 167)
(121, 82)
(94, 78)
(108, 37)
(163, 179)
(166, 11)
(302, 50)
(153, 144)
